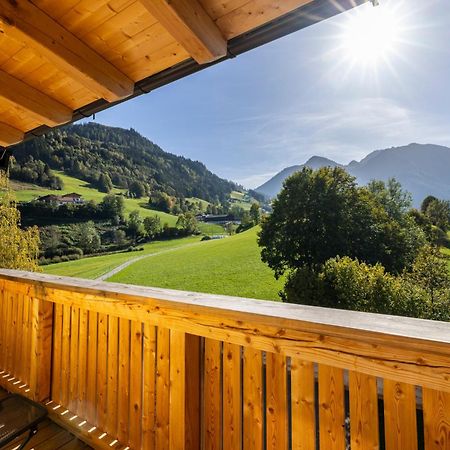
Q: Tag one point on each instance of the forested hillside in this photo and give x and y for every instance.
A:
(103, 155)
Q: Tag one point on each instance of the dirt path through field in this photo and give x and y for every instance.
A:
(124, 265)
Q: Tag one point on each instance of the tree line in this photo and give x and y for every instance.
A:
(106, 157)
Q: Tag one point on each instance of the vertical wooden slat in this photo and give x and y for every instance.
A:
(331, 408)
(20, 339)
(253, 409)
(2, 325)
(102, 361)
(177, 390)
(27, 337)
(303, 405)
(73, 367)
(65, 356)
(436, 411)
(149, 393)
(232, 401)
(364, 429)
(212, 395)
(113, 371)
(400, 416)
(124, 380)
(135, 406)
(276, 402)
(91, 394)
(9, 332)
(193, 358)
(57, 344)
(41, 349)
(162, 389)
(14, 334)
(82, 364)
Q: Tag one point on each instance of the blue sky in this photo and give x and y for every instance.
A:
(307, 94)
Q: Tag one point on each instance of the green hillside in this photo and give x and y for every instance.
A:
(230, 266)
(27, 192)
(99, 155)
(97, 266)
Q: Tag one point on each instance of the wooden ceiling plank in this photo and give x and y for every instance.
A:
(33, 101)
(9, 135)
(191, 26)
(24, 22)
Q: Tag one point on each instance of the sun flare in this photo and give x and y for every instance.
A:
(372, 36)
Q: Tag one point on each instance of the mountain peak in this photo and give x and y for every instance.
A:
(316, 162)
(422, 169)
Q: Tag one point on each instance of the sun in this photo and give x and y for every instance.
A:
(374, 34)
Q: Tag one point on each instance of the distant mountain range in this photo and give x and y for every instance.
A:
(421, 169)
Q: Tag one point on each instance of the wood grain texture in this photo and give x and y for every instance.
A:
(212, 395)
(91, 394)
(253, 401)
(276, 402)
(177, 409)
(400, 416)
(34, 102)
(232, 398)
(410, 351)
(331, 408)
(24, 22)
(303, 405)
(123, 400)
(81, 408)
(162, 389)
(102, 364)
(9, 135)
(193, 361)
(363, 412)
(65, 356)
(149, 389)
(112, 376)
(436, 410)
(135, 436)
(191, 26)
(73, 367)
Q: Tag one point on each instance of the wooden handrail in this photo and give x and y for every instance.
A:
(164, 327)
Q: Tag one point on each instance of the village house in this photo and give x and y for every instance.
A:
(72, 198)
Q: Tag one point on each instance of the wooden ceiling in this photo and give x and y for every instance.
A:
(58, 56)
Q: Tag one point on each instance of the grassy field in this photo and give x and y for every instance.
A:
(26, 192)
(98, 265)
(230, 266)
(237, 195)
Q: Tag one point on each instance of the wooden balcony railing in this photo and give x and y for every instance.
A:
(132, 367)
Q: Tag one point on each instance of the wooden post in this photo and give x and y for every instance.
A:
(193, 390)
(41, 347)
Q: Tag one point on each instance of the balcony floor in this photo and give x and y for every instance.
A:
(49, 437)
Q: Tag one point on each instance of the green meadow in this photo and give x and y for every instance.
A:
(96, 266)
(229, 266)
(26, 192)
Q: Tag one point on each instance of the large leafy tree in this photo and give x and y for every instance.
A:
(323, 214)
(19, 249)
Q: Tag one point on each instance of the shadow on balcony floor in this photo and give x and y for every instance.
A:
(49, 437)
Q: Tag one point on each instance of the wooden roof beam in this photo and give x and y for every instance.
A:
(26, 23)
(43, 107)
(191, 26)
(9, 135)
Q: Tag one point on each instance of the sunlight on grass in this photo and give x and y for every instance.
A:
(94, 267)
(230, 266)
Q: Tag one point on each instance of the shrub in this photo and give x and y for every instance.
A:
(346, 283)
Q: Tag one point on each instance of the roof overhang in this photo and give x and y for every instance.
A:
(64, 60)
